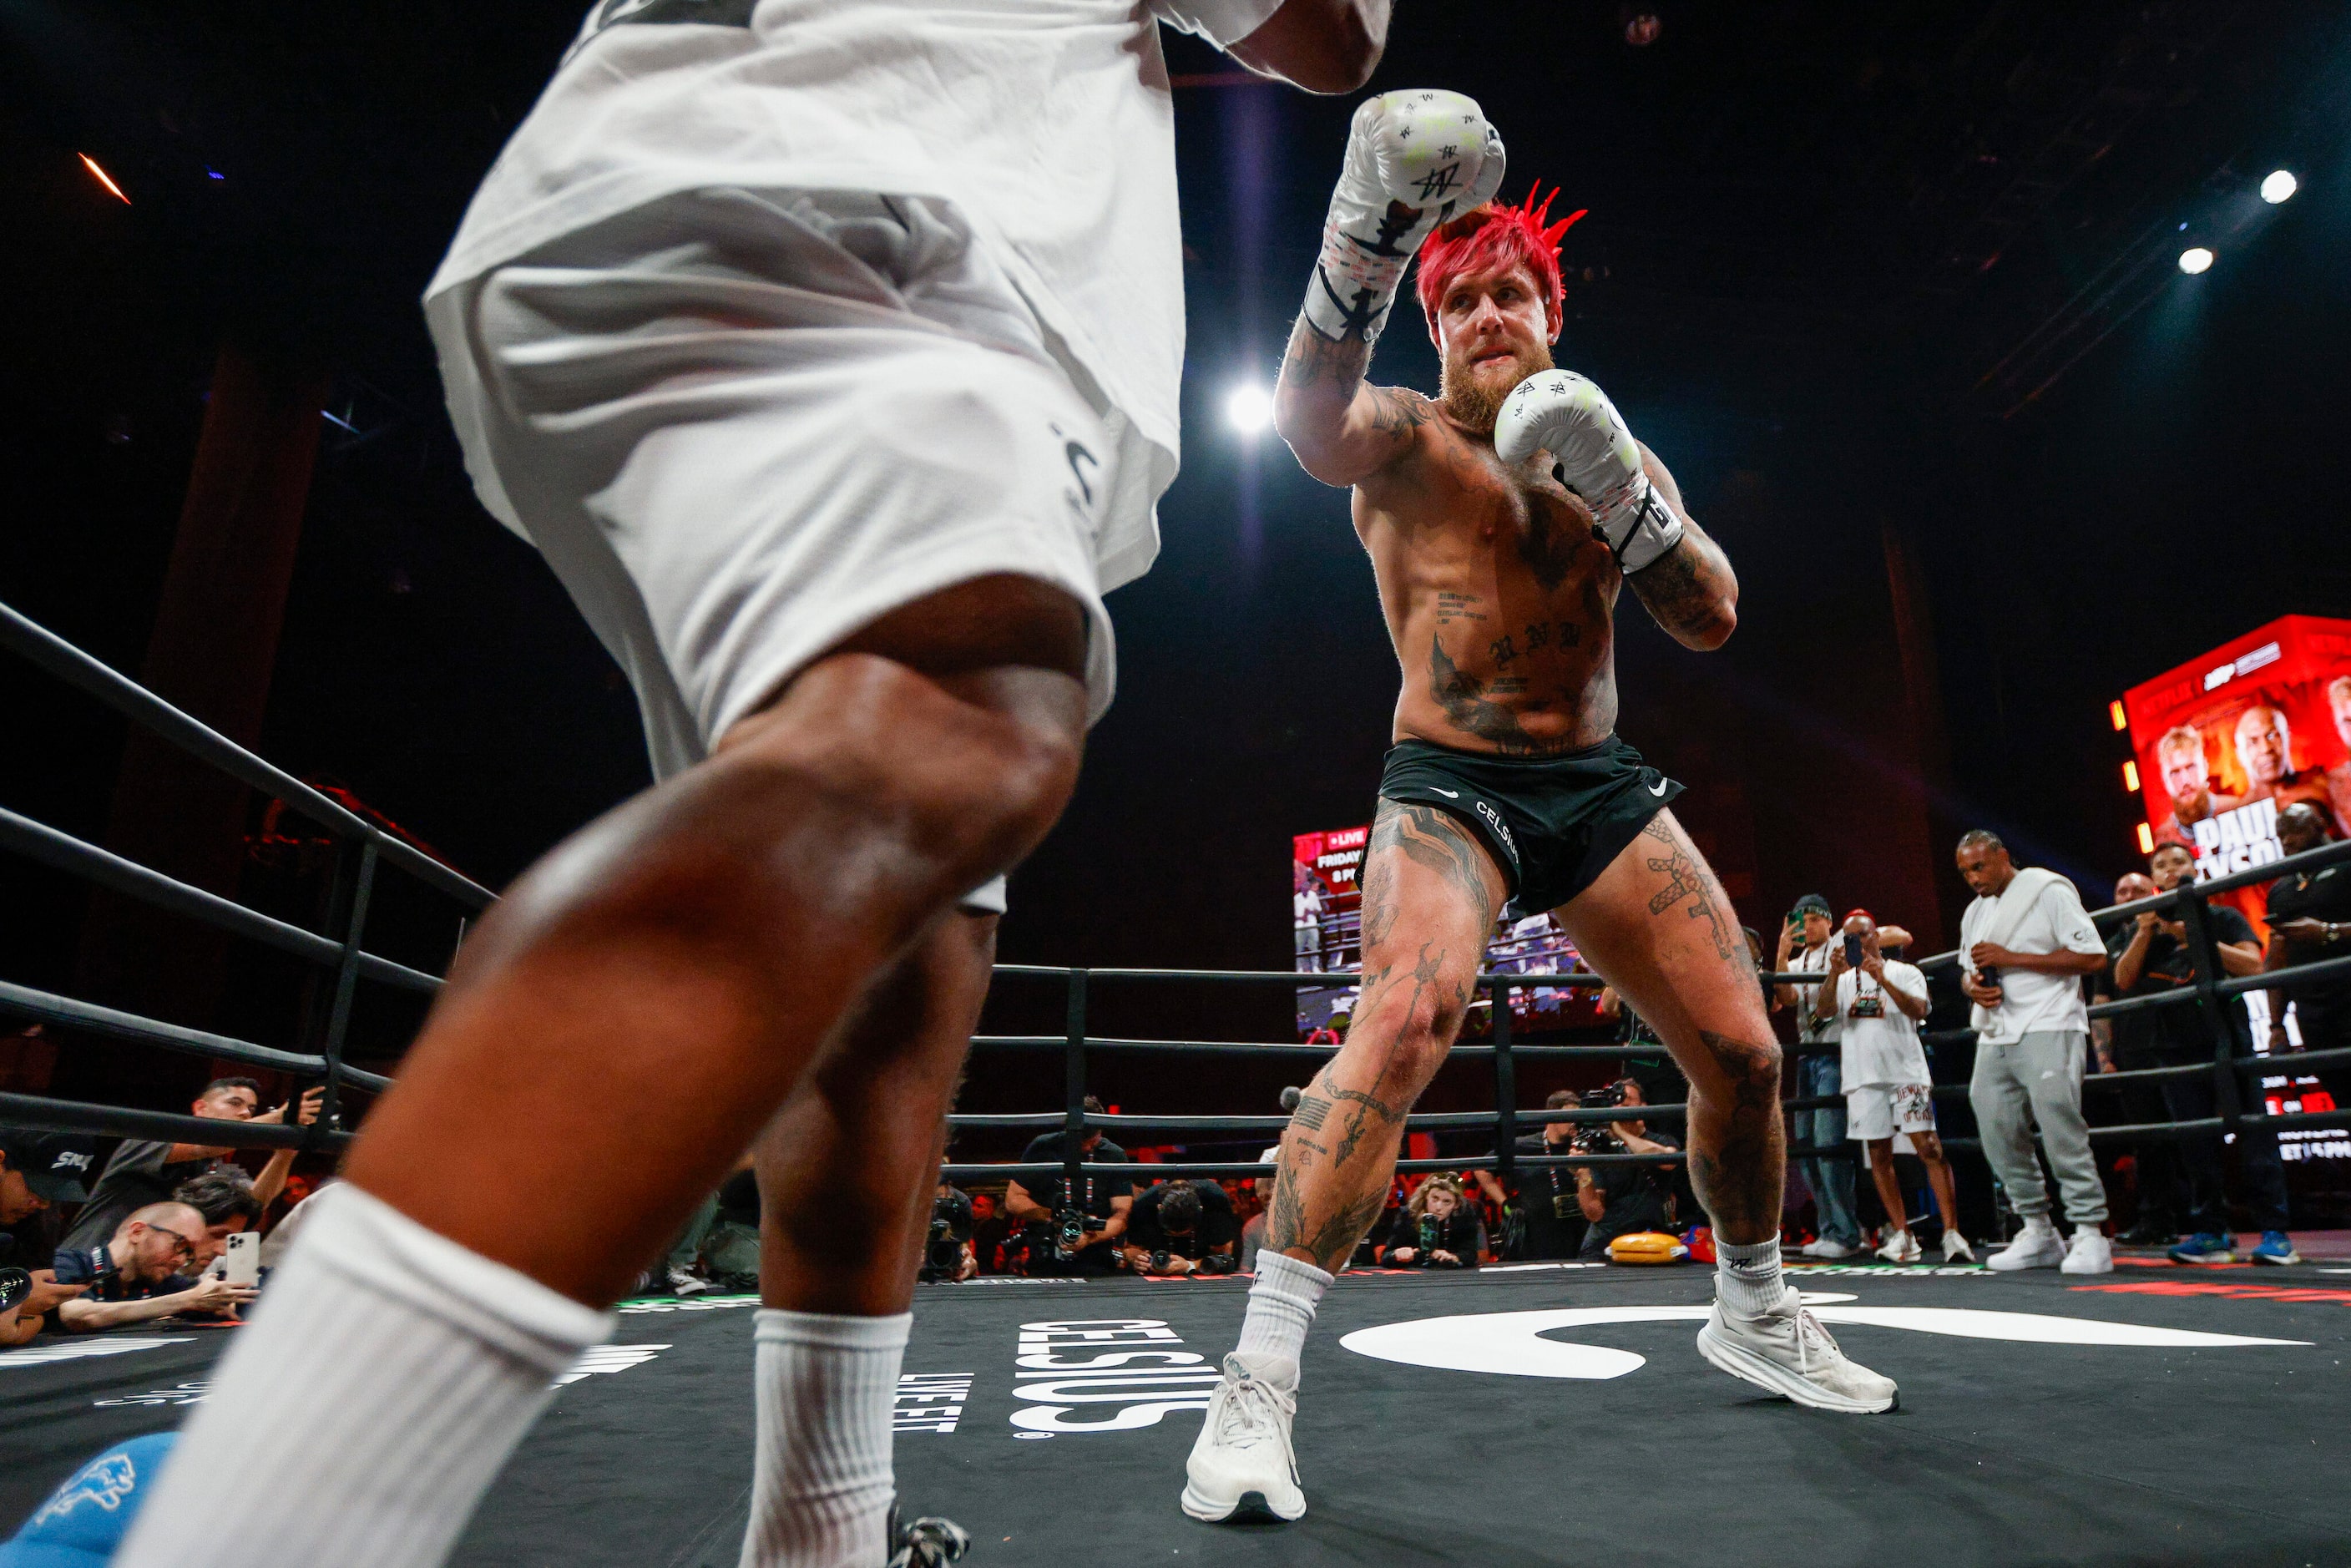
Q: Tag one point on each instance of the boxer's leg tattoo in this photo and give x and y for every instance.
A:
(1737, 1147)
(1687, 879)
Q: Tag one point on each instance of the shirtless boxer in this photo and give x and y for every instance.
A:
(828, 351)
(1498, 566)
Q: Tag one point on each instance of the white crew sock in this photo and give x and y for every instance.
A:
(387, 1375)
(1281, 1307)
(1747, 1279)
(2036, 1225)
(821, 1489)
(2080, 1229)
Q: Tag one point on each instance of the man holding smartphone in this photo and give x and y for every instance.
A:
(1804, 947)
(1878, 1004)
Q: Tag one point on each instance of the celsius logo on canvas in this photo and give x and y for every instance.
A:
(1105, 1374)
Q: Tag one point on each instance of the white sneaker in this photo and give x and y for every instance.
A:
(1901, 1247)
(2037, 1245)
(1787, 1352)
(1825, 1248)
(2088, 1253)
(1244, 1445)
(1956, 1249)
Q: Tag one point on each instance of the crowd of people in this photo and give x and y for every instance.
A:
(100, 1244)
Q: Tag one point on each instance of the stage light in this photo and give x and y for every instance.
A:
(2146, 839)
(1251, 409)
(2130, 777)
(2115, 712)
(103, 178)
(2196, 259)
(2279, 186)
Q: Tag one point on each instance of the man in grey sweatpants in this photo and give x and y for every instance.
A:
(2024, 944)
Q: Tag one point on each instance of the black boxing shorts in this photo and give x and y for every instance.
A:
(1552, 823)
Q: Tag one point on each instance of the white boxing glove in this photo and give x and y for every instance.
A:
(1414, 159)
(1566, 416)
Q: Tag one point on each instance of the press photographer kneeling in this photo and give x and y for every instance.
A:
(1621, 1199)
(946, 1252)
(1182, 1228)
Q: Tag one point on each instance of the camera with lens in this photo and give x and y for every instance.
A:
(16, 1285)
(1159, 1259)
(951, 1224)
(1594, 1138)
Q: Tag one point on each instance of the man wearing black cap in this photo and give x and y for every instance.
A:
(1804, 947)
(37, 1170)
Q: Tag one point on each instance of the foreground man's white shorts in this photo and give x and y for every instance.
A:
(742, 425)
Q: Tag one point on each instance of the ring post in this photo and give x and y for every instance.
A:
(1074, 1089)
(347, 974)
(1506, 1086)
(2197, 919)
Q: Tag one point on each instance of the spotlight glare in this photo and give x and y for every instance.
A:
(103, 178)
(2196, 259)
(2279, 186)
(1251, 409)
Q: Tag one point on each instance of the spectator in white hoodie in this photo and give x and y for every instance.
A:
(2024, 944)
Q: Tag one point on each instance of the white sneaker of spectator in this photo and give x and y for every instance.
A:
(1244, 1444)
(1956, 1249)
(2089, 1252)
(1826, 1248)
(2037, 1245)
(1901, 1247)
(1789, 1353)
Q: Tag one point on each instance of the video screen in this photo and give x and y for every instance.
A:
(1327, 922)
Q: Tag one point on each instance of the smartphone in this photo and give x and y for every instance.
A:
(1851, 951)
(241, 1263)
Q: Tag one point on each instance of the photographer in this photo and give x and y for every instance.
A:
(1182, 1228)
(136, 1277)
(1547, 1197)
(2133, 1042)
(142, 1172)
(1617, 1200)
(1436, 1228)
(947, 1253)
(37, 1170)
(1804, 948)
(1878, 1004)
(1087, 1238)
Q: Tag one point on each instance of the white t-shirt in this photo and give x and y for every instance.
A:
(2023, 919)
(1882, 1049)
(1812, 961)
(1049, 124)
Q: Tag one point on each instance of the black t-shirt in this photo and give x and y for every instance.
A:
(1215, 1226)
(1555, 1223)
(1095, 1192)
(2324, 1006)
(2177, 1032)
(137, 1175)
(1458, 1233)
(94, 1267)
(1634, 1196)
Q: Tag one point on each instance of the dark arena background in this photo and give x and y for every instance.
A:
(1976, 333)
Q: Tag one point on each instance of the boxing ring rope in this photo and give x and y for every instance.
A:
(361, 847)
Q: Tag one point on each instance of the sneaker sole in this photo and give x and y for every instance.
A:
(1210, 1513)
(1749, 1367)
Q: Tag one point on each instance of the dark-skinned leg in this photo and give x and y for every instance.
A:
(622, 1027)
(1938, 1177)
(1657, 924)
(1889, 1186)
(847, 1172)
(634, 1012)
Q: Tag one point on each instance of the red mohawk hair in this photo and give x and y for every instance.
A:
(1489, 237)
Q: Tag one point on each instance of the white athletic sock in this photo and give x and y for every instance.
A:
(1747, 1279)
(2037, 1225)
(1281, 1307)
(387, 1375)
(822, 1491)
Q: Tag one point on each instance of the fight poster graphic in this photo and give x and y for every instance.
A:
(2227, 742)
(1327, 922)
(2221, 746)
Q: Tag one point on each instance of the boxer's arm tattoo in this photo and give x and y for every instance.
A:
(1314, 360)
(1682, 589)
(1311, 1111)
(1691, 884)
